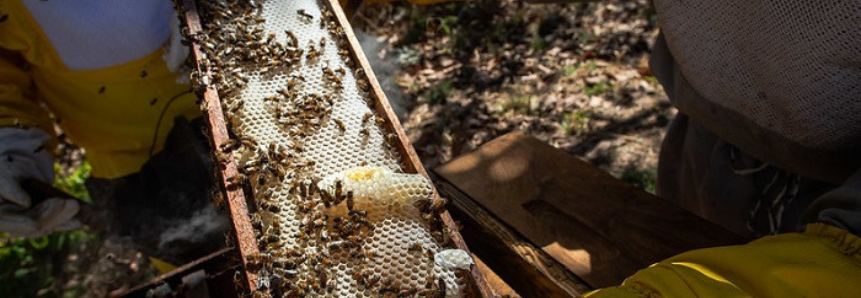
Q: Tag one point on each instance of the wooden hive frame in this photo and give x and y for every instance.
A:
(236, 200)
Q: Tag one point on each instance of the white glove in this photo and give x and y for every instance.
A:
(23, 156)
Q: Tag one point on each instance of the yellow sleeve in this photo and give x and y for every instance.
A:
(17, 104)
(824, 261)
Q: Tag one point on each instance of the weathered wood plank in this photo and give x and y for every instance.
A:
(236, 202)
(599, 227)
(498, 286)
(528, 269)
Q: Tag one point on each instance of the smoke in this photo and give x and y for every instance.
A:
(385, 65)
(198, 228)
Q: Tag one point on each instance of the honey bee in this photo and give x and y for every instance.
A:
(314, 284)
(407, 293)
(292, 82)
(260, 293)
(373, 281)
(393, 138)
(293, 40)
(335, 245)
(256, 222)
(306, 15)
(350, 203)
(221, 158)
(259, 257)
(237, 278)
(366, 117)
(248, 142)
(340, 125)
(416, 247)
(296, 292)
(338, 189)
(312, 53)
(364, 132)
(370, 254)
(236, 180)
(228, 145)
(387, 288)
(269, 207)
(355, 240)
(144, 73)
(233, 109)
(323, 277)
(438, 205)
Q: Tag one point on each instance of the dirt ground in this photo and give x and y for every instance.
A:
(573, 75)
(461, 74)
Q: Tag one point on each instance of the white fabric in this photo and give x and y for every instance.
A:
(23, 156)
(20, 159)
(175, 53)
(52, 215)
(791, 67)
(92, 34)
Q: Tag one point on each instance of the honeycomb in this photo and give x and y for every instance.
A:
(381, 186)
(337, 216)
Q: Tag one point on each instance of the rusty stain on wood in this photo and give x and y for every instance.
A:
(236, 203)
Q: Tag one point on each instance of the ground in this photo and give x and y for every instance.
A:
(458, 74)
(573, 75)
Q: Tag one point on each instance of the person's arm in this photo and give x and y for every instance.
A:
(25, 153)
(823, 261)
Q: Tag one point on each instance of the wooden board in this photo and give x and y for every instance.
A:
(530, 271)
(598, 227)
(237, 206)
(498, 287)
(220, 268)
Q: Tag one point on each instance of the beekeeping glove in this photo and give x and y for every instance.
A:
(23, 156)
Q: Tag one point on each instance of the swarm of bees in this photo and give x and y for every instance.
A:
(237, 47)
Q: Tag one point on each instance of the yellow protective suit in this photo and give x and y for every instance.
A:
(824, 261)
(116, 113)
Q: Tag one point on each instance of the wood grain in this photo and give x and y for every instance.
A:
(498, 286)
(529, 270)
(236, 202)
(598, 227)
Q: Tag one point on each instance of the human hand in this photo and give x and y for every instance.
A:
(23, 156)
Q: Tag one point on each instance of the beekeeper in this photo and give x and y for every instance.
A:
(767, 143)
(108, 73)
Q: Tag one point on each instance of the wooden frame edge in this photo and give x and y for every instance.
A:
(409, 158)
(237, 204)
(495, 235)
